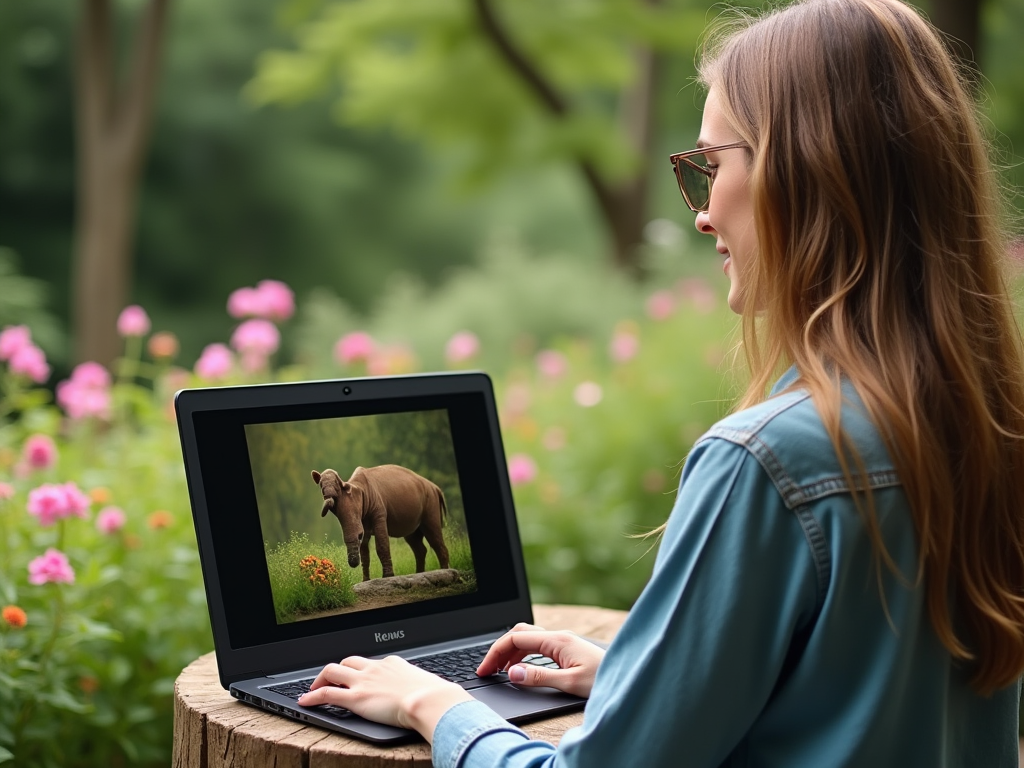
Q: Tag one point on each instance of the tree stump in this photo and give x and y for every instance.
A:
(213, 730)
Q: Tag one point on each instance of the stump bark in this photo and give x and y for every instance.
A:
(213, 730)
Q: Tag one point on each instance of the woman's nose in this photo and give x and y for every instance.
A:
(703, 223)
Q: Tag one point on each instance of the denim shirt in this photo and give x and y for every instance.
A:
(761, 638)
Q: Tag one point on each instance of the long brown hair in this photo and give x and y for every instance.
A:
(880, 250)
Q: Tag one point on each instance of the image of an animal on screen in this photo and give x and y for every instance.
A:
(385, 502)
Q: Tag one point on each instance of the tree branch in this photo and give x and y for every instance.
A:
(515, 58)
(136, 108)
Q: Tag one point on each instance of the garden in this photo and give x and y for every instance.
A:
(319, 189)
(103, 602)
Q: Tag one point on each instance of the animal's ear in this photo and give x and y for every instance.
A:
(316, 477)
(346, 487)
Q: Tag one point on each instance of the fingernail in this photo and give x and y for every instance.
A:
(517, 674)
(299, 700)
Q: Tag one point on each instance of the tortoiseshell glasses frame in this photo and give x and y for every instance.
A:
(695, 179)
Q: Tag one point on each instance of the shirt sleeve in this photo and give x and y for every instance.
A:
(703, 647)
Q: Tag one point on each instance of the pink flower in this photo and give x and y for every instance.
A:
(277, 299)
(354, 347)
(661, 305)
(552, 364)
(698, 292)
(50, 503)
(517, 399)
(77, 501)
(271, 299)
(215, 362)
(256, 336)
(391, 360)
(6, 491)
(461, 347)
(243, 303)
(110, 519)
(30, 361)
(133, 321)
(86, 393)
(623, 346)
(40, 452)
(92, 375)
(53, 566)
(83, 402)
(521, 469)
(14, 338)
(588, 394)
(254, 360)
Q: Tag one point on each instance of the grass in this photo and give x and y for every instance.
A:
(302, 584)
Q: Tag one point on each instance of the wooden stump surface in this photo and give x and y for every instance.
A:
(213, 730)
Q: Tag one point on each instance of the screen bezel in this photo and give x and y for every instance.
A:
(254, 646)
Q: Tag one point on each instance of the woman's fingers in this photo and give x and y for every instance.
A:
(511, 648)
(574, 680)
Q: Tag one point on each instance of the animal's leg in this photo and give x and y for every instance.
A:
(419, 549)
(364, 556)
(383, 544)
(436, 541)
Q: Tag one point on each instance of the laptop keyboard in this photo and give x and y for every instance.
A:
(458, 666)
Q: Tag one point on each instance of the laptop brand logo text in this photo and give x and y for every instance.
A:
(383, 637)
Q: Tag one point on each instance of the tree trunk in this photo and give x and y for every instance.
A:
(111, 132)
(961, 21)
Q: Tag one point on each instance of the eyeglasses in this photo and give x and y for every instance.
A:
(694, 176)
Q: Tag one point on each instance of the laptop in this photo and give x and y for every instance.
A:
(367, 517)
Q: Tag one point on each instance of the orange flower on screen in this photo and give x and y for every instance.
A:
(160, 519)
(14, 616)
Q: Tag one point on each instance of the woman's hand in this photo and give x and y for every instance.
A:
(578, 659)
(390, 691)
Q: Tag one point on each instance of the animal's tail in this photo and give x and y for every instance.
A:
(444, 506)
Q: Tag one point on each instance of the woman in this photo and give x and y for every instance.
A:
(840, 581)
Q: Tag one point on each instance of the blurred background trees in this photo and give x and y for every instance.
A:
(339, 144)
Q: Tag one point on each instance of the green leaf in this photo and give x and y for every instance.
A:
(5, 755)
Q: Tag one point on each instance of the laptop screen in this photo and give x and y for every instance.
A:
(326, 487)
(284, 478)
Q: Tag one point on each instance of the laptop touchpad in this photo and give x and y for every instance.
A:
(514, 703)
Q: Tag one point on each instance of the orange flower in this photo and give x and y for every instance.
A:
(14, 616)
(163, 345)
(88, 684)
(160, 519)
(100, 495)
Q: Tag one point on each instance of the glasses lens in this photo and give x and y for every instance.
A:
(696, 183)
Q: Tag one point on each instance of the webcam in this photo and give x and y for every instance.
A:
(346, 390)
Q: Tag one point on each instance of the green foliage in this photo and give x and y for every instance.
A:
(88, 680)
(300, 590)
(512, 301)
(23, 302)
(429, 72)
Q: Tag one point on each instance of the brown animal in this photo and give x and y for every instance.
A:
(382, 502)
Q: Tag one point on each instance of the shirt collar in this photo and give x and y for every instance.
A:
(786, 380)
